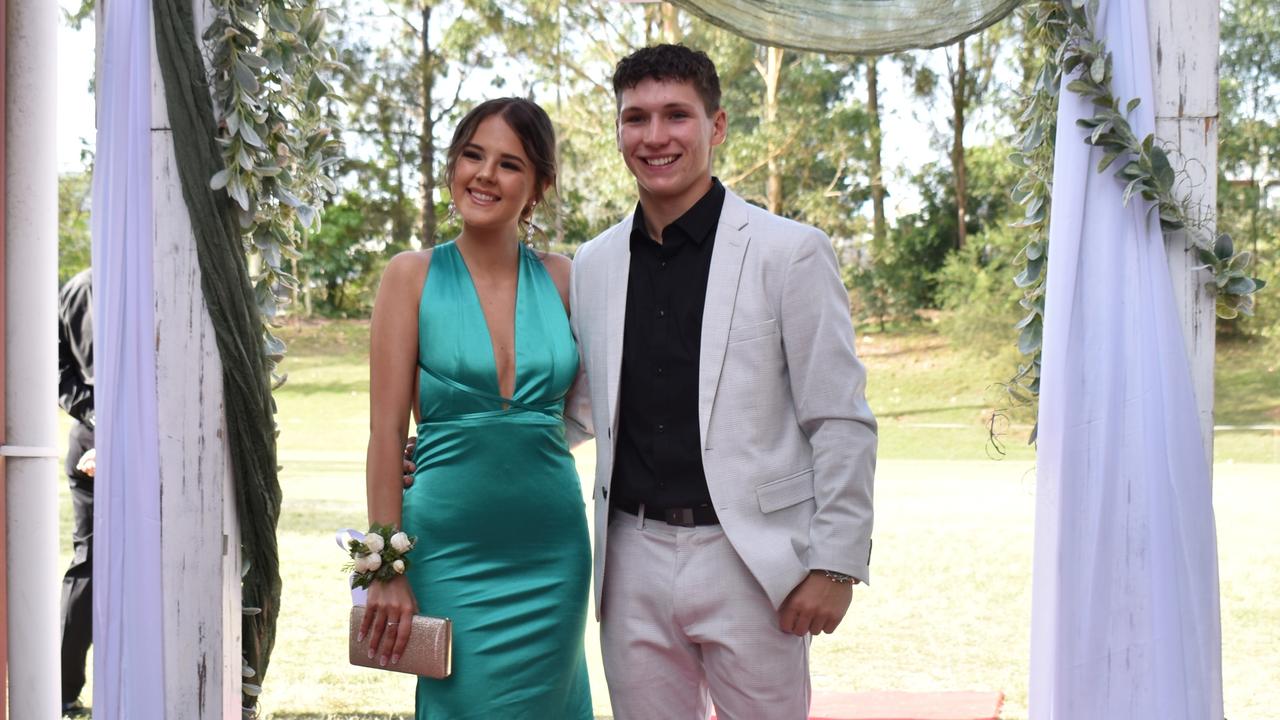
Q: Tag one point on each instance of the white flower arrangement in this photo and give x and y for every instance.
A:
(381, 555)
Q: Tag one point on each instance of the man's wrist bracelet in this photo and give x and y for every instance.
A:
(840, 578)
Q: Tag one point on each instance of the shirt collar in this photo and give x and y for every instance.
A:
(696, 224)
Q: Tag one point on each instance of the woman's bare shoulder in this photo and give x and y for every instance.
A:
(558, 265)
(408, 267)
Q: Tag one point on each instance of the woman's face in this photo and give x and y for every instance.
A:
(493, 181)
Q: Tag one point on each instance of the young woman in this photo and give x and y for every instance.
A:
(480, 325)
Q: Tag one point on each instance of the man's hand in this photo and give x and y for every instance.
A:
(88, 462)
(409, 467)
(815, 606)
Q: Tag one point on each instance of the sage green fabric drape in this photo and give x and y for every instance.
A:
(237, 325)
(859, 27)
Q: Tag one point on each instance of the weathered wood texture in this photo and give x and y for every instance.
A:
(4, 511)
(1184, 61)
(201, 547)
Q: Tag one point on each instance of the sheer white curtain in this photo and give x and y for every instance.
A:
(128, 658)
(852, 26)
(1125, 619)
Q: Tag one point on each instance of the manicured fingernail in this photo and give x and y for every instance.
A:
(370, 653)
(395, 659)
(382, 661)
(360, 636)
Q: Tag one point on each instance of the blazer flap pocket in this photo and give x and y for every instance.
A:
(788, 491)
(742, 333)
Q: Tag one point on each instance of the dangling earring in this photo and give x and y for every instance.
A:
(453, 212)
(528, 231)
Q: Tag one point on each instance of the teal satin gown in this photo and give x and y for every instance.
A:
(497, 506)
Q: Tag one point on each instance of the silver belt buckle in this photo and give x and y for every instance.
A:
(682, 517)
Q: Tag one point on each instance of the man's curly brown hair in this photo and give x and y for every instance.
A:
(669, 62)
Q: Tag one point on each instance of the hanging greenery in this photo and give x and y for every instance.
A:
(279, 141)
(1047, 31)
(1066, 29)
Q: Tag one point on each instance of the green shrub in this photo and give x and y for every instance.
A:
(977, 294)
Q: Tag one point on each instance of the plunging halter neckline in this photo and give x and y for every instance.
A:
(515, 325)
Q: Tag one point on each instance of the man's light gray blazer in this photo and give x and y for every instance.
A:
(788, 442)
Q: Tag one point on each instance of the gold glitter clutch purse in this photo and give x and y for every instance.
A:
(428, 653)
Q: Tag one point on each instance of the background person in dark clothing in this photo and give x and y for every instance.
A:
(75, 395)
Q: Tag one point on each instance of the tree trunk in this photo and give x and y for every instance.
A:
(959, 88)
(652, 24)
(878, 229)
(670, 23)
(304, 282)
(562, 169)
(426, 142)
(772, 72)
(401, 222)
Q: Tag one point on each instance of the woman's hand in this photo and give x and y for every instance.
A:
(388, 619)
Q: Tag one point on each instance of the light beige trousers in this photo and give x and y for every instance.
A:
(685, 624)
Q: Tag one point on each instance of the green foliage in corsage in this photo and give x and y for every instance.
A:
(382, 554)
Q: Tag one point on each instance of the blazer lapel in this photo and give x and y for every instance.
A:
(732, 238)
(615, 297)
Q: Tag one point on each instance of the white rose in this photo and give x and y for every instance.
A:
(373, 562)
(398, 566)
(374, 542)
(362, 564)
(400, 542)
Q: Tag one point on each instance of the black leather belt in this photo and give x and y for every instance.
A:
(682, 517)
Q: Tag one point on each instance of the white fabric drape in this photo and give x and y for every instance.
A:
(1125, 619)
(128, 664)
(863, 27)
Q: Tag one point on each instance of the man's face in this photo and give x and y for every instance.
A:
(666, 136)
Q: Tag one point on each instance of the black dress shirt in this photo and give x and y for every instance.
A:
(658, 460)
(75, 347)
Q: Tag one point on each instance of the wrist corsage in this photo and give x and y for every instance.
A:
(381, 554)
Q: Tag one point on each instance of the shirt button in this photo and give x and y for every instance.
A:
(662, 313)
(662, 428)
(662, 264)
(659, 371)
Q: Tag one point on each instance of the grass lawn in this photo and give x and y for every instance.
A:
(949, 607)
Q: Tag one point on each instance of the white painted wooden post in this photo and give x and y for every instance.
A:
(1184, 58)
(200, 534)
(30, 285)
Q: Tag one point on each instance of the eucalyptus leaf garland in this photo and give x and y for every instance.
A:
(278, 135)
(272, 66)
(1047, 31)
(1146, 169)
(1065, 29)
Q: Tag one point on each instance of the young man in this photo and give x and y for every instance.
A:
(735, 449)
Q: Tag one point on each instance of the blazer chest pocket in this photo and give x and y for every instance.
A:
(743, 333)
(788, 491)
